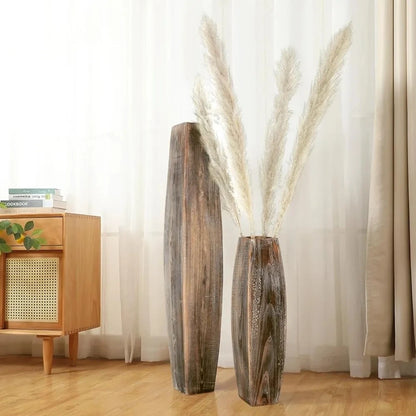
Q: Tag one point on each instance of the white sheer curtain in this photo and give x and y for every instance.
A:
(68, 117)
(323, 237)
(89, 93)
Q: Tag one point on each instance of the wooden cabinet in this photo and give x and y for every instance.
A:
(53, 291)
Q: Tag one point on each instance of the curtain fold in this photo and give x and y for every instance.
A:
(391, 228)
(411, 143)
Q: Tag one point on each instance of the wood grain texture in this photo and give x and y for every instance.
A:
(81, 273)
(47, 352)
(258, 319)
(112, 388)
(37, 332)
(73, 348)
(193, 263)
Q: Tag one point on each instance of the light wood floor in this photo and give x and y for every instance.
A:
(100, 387)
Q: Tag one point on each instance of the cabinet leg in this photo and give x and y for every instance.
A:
(73, 348)
(47, 345)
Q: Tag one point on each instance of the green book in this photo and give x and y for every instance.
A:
(34, 191)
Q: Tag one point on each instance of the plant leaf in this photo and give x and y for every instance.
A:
(29, 225)
(4, 248)
(37, 233)
(2, 241)
(27, 243)
(9, 230)
(4, 224)
(35, 243)
(19, 228)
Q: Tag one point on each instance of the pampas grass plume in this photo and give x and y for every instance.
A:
(322, 91)
(229, 116)
(271, 172)
(218, 165)
(228, 164)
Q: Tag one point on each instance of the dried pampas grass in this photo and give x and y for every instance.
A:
(271, 172)
(229, 117)
(228, 162)
(322, 91)
(218, 164)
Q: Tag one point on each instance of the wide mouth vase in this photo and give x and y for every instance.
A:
(259, 319)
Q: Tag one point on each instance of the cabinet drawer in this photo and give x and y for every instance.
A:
(51, 232)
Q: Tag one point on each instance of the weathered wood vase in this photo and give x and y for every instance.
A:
(259, 319)
(193, 263)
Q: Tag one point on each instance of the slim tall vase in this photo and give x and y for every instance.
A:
(193, 263)
(258, 319)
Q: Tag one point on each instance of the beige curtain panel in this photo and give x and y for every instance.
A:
(391, 238)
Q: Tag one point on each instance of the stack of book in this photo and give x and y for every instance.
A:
(35, 199)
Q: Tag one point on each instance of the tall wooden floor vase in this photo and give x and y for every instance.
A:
(259, 319)
(193, 263)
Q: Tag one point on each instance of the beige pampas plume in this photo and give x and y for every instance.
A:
(228, 163)
(229, 116)
(218, 165)
(321, 93)
(271, 172)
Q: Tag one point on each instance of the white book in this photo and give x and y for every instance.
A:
(55, 197)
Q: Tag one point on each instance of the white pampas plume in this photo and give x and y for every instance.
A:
(229, 115)
(271, 173)
(321, 93)
(218, 165)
